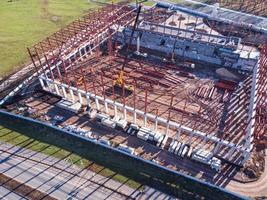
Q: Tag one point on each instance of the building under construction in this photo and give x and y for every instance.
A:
(185, 73)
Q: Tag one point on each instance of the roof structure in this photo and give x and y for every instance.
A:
(214, 12)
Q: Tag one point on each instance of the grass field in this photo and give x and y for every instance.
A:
(25, 22)
(14, 138)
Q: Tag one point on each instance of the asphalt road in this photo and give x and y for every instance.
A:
(62, 180)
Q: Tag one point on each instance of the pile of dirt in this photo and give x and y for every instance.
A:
(254, 167)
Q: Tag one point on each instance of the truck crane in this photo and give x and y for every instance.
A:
(120, 82)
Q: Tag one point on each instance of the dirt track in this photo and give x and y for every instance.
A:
(253, 189)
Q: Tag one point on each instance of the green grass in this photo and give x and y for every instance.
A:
(25, 22)
(14, 138)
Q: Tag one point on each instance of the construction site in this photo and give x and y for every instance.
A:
(168, 82)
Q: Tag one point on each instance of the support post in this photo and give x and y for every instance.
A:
(115, 110)
(64, 91)
(97, 103)
(56, 87)
(134, 117)
(88, 100)
(72, 95)
(145, 117)
(80, 97)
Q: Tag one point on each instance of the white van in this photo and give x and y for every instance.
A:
(108, 122)
(216, 164)
(133, 129)
(184, 151)
(105, 142)
(178, 148)
(174, 146)
(170, 147)
(126, 149)
(142, 135)
(100, 116)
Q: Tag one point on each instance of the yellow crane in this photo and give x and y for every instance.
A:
(120, 82)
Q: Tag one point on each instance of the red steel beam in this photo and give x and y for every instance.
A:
(33, 62)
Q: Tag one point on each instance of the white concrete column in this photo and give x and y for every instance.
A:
(134, 116)
(178, 133)
(80, 53)
(88, 100)
(80, 97)
(115, 110)
(216, 148)
(125, 113)
(138, 44)
(145, 120)
(97, 103)
(230, 153)
(246, 156)
(90, 49)
(252, 107)
(72, 95)
(50, 86)
(190, 139)
(249, 135)
(57, 90)
(42, 83)
(156, 123)
(167, 128)
(58, 70)
(106, 107)
(64, 91)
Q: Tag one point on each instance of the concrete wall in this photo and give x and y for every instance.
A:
(195, 50)
(173, 182)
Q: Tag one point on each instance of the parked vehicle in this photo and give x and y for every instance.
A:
(108, 123)
(142, 135)
(88, 134)
(100, 116)
(126, 149)
(91, 112)
(178, 148)
(184, 151)
(216, 164)
(105, 142)
(121, 124)
(190, 151)
(132, 129)
(207, 158)
(170, 147)
(179, 152)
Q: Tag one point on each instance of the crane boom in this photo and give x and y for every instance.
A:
(120, 82)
